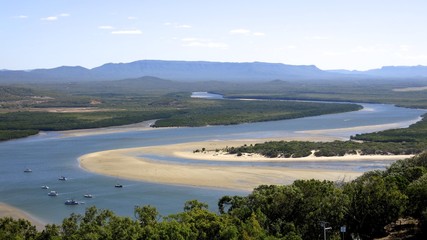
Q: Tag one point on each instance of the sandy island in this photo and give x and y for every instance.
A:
(128, 164)
(9, 211)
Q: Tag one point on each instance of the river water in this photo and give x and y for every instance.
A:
(51, 155)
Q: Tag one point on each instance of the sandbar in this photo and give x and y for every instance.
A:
(142, 126)
(9, 211)
(130, 164)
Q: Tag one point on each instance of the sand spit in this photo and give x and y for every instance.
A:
(128, 163)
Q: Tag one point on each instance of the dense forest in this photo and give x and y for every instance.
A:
(376, 204)
(28, 116)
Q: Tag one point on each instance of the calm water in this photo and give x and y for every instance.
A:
(51, 155)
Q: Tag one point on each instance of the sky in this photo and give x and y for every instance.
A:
(331, 34)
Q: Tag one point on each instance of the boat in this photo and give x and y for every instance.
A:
(53, 193)
(62, 178)
(45, 187)
(28, 170)
(88, 196)
(71, 202)
(118, 186)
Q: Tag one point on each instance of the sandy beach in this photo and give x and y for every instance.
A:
(128, 164)
(9, 211)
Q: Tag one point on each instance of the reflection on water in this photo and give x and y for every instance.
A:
(50, 156)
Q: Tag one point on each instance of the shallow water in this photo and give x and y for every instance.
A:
(51, 155)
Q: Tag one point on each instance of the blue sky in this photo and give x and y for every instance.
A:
(331, 34)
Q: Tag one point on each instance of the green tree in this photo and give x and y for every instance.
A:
(417, 194)
(16, 229)
(51, 232)
(147, 215)
(374, 203)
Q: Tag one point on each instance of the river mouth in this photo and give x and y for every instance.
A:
(50, 155)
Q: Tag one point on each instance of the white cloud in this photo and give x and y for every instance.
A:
(201, 42)
(51, 18)
(177, 25)
(132, 18)
(127, 32)
(247, 32)
(106, 27)
(56, 17)
(183, 26)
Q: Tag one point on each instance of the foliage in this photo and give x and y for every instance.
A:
(417, 192)
(373, 204)
(295, 149)
(226, 112)
(16, 229)
(411, 140)
(417, 132)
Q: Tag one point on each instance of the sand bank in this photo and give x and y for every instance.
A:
(128, 163)
(9, 211)
(143, 126)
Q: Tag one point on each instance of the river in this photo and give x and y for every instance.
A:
(52, 154)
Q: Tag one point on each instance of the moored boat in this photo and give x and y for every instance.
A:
(88, 196)
(71, 202)
(53, 193)
(45, 187)
(62, 178)
(28, 170)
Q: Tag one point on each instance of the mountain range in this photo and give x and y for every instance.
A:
(206, 71)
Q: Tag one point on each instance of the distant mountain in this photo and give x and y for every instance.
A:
(172, 70)
(399, 72)
(395, 72)
(204, 71)
(199, 70)
(60, 74)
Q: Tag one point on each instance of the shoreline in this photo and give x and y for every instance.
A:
(129, 164)
(7, 210)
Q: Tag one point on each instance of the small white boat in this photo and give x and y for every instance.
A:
(71, 202)
(45, 187)
(88, 196)
(28, 170)
(62, 178)
(53, 193)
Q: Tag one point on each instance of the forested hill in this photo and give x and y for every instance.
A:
(204, 71)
